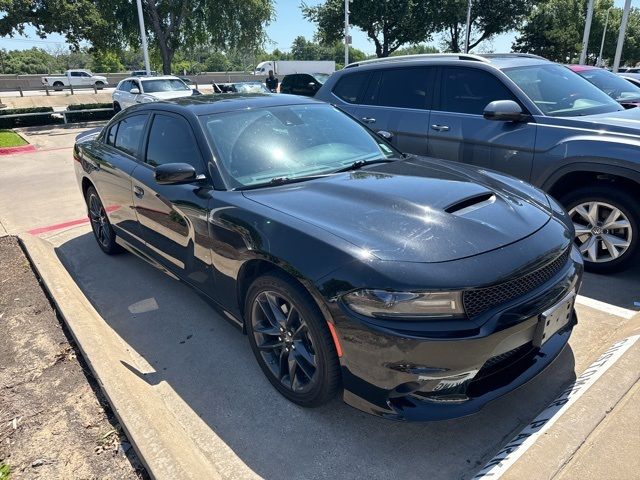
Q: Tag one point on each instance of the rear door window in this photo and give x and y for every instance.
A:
(350, 87)
(470, 90)
(171, 140)
(129, 135)
(404, 88)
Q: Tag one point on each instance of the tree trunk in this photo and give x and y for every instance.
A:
(167, 57)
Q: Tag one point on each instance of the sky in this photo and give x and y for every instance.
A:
(289, 23)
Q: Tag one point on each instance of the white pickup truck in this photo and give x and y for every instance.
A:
(76, 78)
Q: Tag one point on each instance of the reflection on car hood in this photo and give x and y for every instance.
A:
(415, 210)
(623, 121)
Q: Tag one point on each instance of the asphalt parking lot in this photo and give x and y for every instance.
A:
(202, 371)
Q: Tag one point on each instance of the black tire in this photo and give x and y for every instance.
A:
(628, 206)
(57, 86)
(102, 230)
(309, 332)
(99, 85)
(116, 107)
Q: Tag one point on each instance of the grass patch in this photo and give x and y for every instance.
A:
(9, 138)
(5, 471)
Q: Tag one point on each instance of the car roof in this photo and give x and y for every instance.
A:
(582, 68)
(144, 78)
(497, 60)
(225, 102)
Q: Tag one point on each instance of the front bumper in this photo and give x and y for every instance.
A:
(420, 377)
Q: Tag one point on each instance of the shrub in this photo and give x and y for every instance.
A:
(77, 113)
(44, 119)
(88, 106)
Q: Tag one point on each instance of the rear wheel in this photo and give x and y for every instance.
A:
(116, 107)
(291, 341)
(57, 86)
(102, 230)
(606, 223)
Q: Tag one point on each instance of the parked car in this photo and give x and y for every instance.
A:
(422, 288)
(75, 78)
(519, 114)
(635, 80)
(240, 87)
(306, 84)
(133, 90)
(143, 73)
(623, 92)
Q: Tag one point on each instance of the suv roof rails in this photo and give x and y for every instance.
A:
(420, 56)
(511, 55)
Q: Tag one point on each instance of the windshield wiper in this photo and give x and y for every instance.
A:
(280, 181)
(357, 165)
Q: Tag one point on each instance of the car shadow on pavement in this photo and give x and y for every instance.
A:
(209, 364)
(621, 289)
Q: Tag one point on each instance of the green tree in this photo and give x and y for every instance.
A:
(389, 24)
(106, 62)
(171, 24)
(488, 18)
(554, 30)
(416, 50)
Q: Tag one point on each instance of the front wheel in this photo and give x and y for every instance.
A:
(102, 229)
(606, 223)
(291, 341)
(99, 85)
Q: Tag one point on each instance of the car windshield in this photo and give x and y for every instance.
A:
(559, 92)
(250, 88)
(256, 146)
(164, 85)
(321, 77)
(616, 87)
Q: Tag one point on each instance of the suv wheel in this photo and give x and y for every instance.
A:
(606, 223)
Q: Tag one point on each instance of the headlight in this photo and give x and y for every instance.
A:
(409, 305)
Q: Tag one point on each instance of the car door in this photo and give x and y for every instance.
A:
(458, 131)
(173, 218)
(112, 162)
(398, 101)
(348, 92)
(86, 79)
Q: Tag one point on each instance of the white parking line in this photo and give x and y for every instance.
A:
(518, 445)
(605, 307)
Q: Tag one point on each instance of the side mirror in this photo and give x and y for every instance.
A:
(175, 173)
(135, 91)
(386, 135)
(504, 110)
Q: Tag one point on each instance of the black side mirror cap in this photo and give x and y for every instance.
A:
(175, 173)
(506, 111)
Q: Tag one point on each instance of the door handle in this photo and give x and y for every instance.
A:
(138, 191)
(440, 128)
(368, 120)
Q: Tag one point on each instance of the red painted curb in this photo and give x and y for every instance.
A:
(21, 149)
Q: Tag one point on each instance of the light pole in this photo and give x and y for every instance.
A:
(143, 36)
(604, 34)
(347, 38)
(468, 31)
(587, 30)
(623, 28)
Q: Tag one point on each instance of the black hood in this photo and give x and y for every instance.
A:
(415, 210)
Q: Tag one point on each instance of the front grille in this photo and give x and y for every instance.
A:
(482, 299)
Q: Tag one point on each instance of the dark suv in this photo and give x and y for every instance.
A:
(306, 84)
(519, 114)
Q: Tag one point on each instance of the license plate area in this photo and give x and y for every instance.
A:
(554, 319)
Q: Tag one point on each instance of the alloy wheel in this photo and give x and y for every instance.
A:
(99, 221)
(284, 341)
(603, 231)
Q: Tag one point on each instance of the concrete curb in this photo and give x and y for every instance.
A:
(166, 450)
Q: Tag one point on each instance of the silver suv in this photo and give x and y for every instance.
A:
(518, 114)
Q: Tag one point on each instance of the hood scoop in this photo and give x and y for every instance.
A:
(470, 204)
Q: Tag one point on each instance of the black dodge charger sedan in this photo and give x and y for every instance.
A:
(419, 288)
